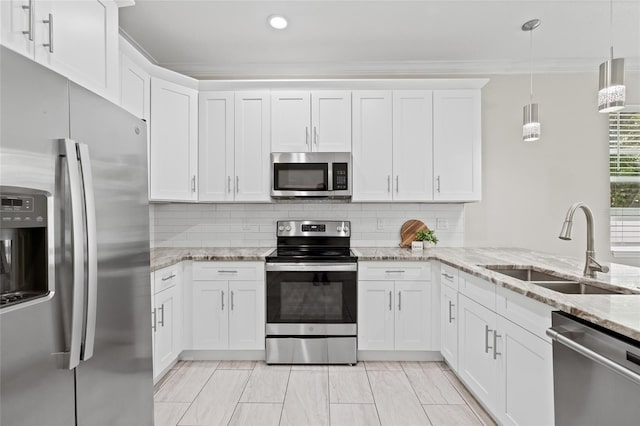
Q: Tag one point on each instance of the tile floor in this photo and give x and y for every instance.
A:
(197, 393)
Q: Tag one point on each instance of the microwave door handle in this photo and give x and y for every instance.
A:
(92, 251)
(68, 150)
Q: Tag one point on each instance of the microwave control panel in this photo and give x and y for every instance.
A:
(340, 176)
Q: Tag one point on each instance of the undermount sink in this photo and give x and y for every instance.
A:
(549, 281)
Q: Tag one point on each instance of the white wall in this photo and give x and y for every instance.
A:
(254, 225)
(527, 187)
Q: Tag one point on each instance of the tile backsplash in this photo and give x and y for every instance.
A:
(253, 225)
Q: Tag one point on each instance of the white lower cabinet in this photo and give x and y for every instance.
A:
(449, 325)
(228, 309)
(166, 318)
(394, 311)
(507, 367)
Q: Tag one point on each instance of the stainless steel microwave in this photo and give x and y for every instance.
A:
(311, 174)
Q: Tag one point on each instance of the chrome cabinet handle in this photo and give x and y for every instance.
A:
(68, 151)
(153, 324)
(91, 252)
(390, 296)
(397, 271)
(161, 309)
(222, 300)
(487, 330)
(227, 271)
(237, 184)
(50, 22)
(169, 277)
(229, 184)
(29, 31)
(388, 183)
(306, 135)
(438, 182)
(447, 276)
(399, 300)
(495, 346)
(315, 135)
(232, 305)
(397, 183)
(451, 317)
(193, 184)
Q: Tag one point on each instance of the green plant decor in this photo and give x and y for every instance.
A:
(427, 235)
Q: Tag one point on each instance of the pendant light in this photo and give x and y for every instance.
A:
(611, 89)
(530, 122)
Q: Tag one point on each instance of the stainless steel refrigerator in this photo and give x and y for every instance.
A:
(80, 352)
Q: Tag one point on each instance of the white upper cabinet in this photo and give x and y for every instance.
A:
(216, 146)
(412, 145)
(174, 142)
(372, 145)
(318, 121)
(457, 145)
(135, 89)
(76, 38)
(251, 148)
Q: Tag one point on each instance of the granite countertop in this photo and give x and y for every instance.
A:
(617, 312)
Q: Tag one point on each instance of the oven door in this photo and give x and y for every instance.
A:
(311, 299)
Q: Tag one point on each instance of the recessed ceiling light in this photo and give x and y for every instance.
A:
(278, 22)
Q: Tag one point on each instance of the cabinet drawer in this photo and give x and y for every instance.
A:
(449, 276)
(478, 290)
(528, 313)
(396, 271)
(167, 277)
(228, 271)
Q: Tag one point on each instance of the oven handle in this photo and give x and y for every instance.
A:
(311, 267)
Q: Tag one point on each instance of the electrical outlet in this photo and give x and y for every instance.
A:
(442, 224)
(380, 225)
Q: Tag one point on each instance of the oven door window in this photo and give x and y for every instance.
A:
(301, 177)
(311, 297)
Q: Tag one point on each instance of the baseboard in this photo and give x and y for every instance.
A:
(399, 356)
(222, 355)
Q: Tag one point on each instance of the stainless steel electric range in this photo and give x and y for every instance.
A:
(312, 280)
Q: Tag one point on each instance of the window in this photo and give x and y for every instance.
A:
(624, 168)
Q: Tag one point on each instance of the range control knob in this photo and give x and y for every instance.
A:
(280, 228)
(338, 229)
(288, 228)
(345, 228)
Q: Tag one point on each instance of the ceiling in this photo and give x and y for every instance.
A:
(343, 38)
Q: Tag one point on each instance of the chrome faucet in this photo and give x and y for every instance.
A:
(591, 266)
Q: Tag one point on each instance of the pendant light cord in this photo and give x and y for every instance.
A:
(531, 66)
(611, 27)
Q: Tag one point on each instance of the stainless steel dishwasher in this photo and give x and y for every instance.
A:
(596, 374)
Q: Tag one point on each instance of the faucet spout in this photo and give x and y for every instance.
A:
(591, 265)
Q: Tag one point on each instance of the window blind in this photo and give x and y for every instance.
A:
(624, 167)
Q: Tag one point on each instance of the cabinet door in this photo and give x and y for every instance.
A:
(476, 366)
(165, 303)
(412, 145)
(457, 145)
(290, 121)
(210, 315)
(15, 17)
(135, 88)
(83, 39)
(449, 325)
(174, 138)
(413, 315)
(372, 145)
(525, 377)
(246, 315)
(331, 121)
(252, 124)
(375, 315)
(216, 146)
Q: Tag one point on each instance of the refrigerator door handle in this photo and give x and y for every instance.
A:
(68, 150)
(92, 252)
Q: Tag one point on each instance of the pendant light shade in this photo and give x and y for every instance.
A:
(611, 88)
(530, 122)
